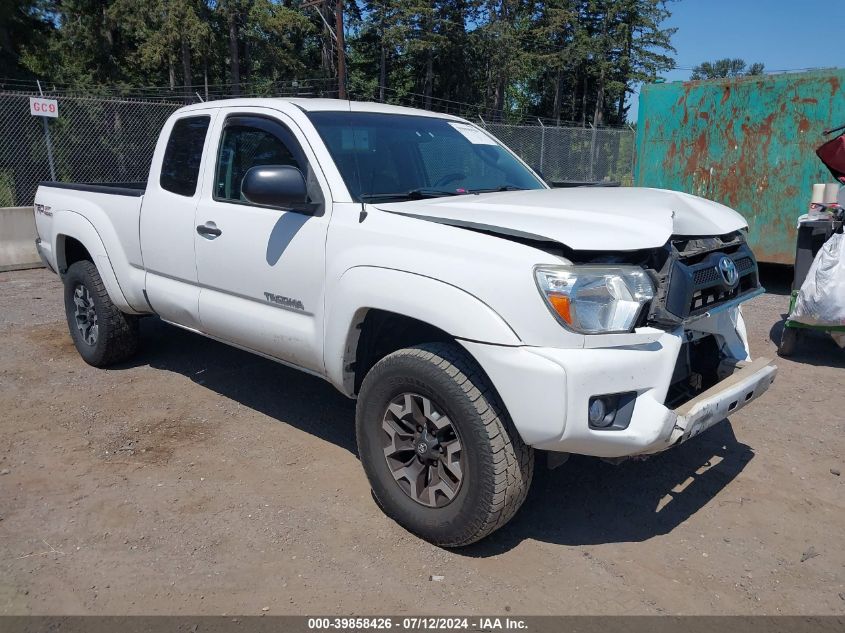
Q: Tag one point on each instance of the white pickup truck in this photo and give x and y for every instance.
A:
(418, 265)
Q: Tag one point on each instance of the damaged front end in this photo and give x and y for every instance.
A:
(700, 283)
(701, 276)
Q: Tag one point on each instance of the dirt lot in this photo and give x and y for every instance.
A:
(202, 480)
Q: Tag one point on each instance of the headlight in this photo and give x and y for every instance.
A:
(595, 299)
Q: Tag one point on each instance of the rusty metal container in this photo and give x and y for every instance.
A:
(747, 142)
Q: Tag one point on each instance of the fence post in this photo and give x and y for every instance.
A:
(542, 146)
(592, 150)
(47, 139)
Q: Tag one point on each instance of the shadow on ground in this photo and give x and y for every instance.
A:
(585, 501)
(776, 279)
(288, 395)
(814, 347)
(588, 502)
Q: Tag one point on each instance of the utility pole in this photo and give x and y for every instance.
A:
(338, 37)
(341, 50)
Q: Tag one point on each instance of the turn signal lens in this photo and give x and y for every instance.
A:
(562, 307)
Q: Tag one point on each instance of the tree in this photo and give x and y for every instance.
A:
(23, 25)
(378, 33)
(234, 14)
(277, 45)
(167, 34)
(725, 68)
(559, 25)
(597, 50)
(89, 47)
(504, 41)
(646, 47)
(574, 60)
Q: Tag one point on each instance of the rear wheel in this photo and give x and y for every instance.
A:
(438, 447)
(102, 334)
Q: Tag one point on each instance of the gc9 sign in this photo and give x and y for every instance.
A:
(43, 107)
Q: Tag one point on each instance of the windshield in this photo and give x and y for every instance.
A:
(389, 157)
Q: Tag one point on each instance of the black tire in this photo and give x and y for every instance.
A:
(497, 466)
(117, 333)
(788, 341)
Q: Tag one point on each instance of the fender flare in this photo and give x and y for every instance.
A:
(71, 224)
(438, 303)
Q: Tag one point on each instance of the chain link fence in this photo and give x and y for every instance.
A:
(111, 140)
(572, 155)
(95, 140)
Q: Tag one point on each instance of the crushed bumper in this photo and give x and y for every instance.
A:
(748, 382)
(547, 393)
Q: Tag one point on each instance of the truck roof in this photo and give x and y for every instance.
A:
(308, 104)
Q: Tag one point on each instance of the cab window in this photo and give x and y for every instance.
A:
(249, 142)
(183, 155)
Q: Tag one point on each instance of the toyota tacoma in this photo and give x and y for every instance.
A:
(419, 266)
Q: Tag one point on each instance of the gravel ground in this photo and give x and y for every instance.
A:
(199, 479)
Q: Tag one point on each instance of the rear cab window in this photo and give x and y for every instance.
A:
(183, 155)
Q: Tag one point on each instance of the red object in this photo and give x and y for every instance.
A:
(832, 154)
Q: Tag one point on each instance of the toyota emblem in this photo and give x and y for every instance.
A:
(728, 270)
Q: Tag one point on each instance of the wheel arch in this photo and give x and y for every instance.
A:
(76, 239)
(369, 301)
(70, 250)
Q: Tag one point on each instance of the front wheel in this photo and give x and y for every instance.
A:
(440, 452)
(102, 334)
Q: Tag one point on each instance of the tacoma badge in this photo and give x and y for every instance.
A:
(285, 302)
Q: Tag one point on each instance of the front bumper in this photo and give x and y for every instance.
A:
(747, 383)
(547, 393)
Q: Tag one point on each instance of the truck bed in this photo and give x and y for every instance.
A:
(105, 219)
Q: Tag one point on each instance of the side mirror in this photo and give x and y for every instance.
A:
(275, 186)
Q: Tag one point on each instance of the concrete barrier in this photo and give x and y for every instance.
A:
(17, 239)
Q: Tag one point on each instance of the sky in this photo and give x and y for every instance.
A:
(782, 34)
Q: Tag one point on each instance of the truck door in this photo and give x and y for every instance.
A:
(167, 218)
(262, 269)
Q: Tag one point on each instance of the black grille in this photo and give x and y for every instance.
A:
(706, 276)
(744, 263)
(711, 274)
(690, 286)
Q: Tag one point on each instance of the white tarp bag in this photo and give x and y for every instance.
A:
(821, 300)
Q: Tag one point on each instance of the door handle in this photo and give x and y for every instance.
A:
(209, 230)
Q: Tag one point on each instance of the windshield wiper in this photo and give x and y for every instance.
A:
(413, 194)
(494, 189)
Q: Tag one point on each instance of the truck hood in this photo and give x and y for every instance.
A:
(582, 218)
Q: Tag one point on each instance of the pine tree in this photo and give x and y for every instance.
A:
(564, 59)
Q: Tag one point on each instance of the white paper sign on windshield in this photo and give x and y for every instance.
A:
(473, 135)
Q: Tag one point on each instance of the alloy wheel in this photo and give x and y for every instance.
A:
(85, 315)
(423, 450)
